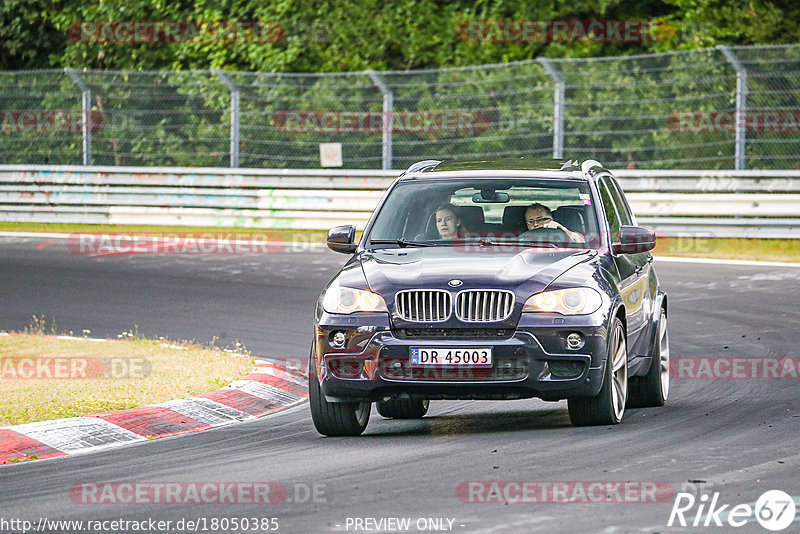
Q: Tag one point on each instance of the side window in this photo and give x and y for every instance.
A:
(611, 210)
(625, 215)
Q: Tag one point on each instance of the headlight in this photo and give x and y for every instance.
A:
(340, 299)
(573, 301)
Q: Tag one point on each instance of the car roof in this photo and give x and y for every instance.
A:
(503, 168)
(519, 164)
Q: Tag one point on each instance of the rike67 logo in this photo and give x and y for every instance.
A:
(774, 510)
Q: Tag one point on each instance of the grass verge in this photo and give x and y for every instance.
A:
(44, 377)
(168, 231)
(730, 248)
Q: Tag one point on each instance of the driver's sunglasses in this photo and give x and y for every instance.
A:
(540, 220)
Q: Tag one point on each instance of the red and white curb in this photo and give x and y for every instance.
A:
(269, 388)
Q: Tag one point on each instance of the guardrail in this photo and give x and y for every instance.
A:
(719, 203)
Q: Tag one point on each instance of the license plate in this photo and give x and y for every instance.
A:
(467, 356)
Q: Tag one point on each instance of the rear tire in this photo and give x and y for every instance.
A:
(334, 418)
(403, 408)
(653, 388)
(608, 407)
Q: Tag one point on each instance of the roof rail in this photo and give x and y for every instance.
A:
(589, 164)
(569, 163)
(423, 165)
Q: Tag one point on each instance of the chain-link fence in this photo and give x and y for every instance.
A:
(719, 108)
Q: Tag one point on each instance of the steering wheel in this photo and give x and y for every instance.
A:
(546, 235)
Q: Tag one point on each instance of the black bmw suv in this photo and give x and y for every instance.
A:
(500, 279)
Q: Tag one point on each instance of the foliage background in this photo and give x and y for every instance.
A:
(161, 106)
(328, 35)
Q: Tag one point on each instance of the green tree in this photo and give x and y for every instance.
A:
(28, 38)
(706, 23)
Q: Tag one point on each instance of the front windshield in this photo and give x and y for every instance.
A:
(517, 211)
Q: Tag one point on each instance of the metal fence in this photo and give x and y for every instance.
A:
(719, 108)
(697, 203)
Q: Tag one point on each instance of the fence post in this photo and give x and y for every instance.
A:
(388, 104)
(86, 110)
(558, 107)
(234, 115)
(741, 104)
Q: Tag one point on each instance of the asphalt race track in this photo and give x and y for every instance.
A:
(738, 437)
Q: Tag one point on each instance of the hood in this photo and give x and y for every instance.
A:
(524, 272)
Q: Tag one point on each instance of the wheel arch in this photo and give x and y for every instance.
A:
(620, 313)
(659, 304)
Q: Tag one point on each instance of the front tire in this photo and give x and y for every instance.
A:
(334, 418)
(403, 408)
(653, 388)
(608, 407)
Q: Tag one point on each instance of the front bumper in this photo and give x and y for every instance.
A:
(531, 360)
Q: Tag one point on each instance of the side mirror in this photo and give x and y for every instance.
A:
(342, 239)
(633, 240)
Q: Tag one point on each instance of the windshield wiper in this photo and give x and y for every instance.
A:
(400, 242)
(538, 244)
(489, 242)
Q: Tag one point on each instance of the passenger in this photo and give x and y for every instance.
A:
(448, 223)
(540, 216)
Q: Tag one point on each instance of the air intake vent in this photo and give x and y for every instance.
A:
(458, 333)
(484, 305)
(424, 306)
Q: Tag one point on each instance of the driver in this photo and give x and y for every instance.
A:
(539, 216)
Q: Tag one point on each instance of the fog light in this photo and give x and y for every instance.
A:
(346, 368)
(575, 341)
(338, 340)
(562, 369)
